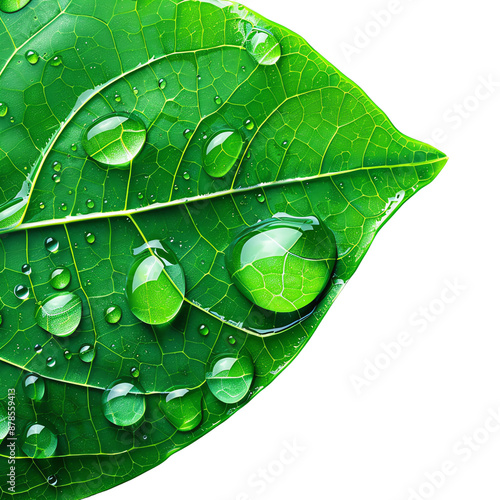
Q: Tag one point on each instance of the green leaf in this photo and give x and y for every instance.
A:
(186, 188)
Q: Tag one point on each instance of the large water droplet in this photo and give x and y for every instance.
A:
(156, 284)
(283, 264)
(123, 402)
(115, 140)
(12, 211)
(34, 386)
(21, 292)
(230, 377)
(87, 353)
(60, 278)
(52, 245)
(38, 441)
(263, 46)
(32, 57)
(4, 422)
(60, 314)
(113, 315)
(182, 408)
(222, 152)
(13, 5)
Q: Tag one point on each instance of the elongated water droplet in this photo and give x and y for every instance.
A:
(13, 5)
(4, 109)
(60, 278)
(68, 355)
(60, 314)
(87, 353)
(34, 386)
(261, 198)
(38, 441)
(218, 100)
(113, 315)
(162, 83)
(26, 269)
(4, 422)
(156, 284)
(52, 245)
(230, 377)
(182, 408)
(222, 152)
(56, 61)
(21, 292)
(115, 140)
(249, 124)
(90, 238)
(263, 46)
(283, 264)
(32, 57)
(123, 402)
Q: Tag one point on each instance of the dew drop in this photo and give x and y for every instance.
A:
(90, 238)
(263, 46)
(90, 204)
(231, 340)
(26, 269)
(134, 372)
(4, 109)
(52, 245)
(113, 315)
(182, 408)
(60, 278)
(136, 90)
(123, 402)
(115, 140)
(57, 166)
(60, 314)
(249, 124)
(162, 83)
(68, 355)
(261, 198)
(188, 133)
(230, 377)
(34, 386)
(38, 441)
(38, 349)
(140, 196)
(51, 362)
(87, 353)
(64, 207)
(56, 61)
(32, 57)
(42, 206)
(118, 98)
(156, 284)
(56, 178)
(204, 330)
(283, 264)
(222, 152)
(74, 147)
(52, 480)
(186, 176)
(218, 100)
(21, 292)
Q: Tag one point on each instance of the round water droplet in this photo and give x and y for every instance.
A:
(156, 284)
(4, 109)
(56, 178)
(188, 133)
(204, 330)
(263, 46)
(34, 386)
(4, 422)
(74, 147)
(32, 57)
(38, 349)
(68, 355)
(90, 238)
(56, 166)
(249, 124)
(13, 5)
(51, 362)
(230, 377)
(186, 176)
(60, 314)
(113, 315)
(52, 480)
(231, 340)
(182, 408)
(60, 278)
(56, 61)
(26, 269)
(118, 98)
(136, 90)
(38, 441)
(222, 152)
(52, 245)
(90, 204)
(134, 372)
(87, 353)
(162, 83)
(115, 140)
(64, 207)
(261, 198)
(218, 100)
(140, 196)
(21, 292)
(283, 264)
(42, 206)
(123, 402)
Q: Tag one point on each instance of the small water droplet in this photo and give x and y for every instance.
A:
(42, 205)
(90, 238)
(204, 330)
(249, 124)
(261, 198)
(218, 100)
(231, 340)
(87, 353)
(186, 176)
(57, 166)
(162, 83)
(56, 61)
(26, 269)
(56, 178)
(60, 314)
(52, 245)
(34, 386)
(188, 133)
(134, 372)
(136, 90)
(60, 278)
(74, 147)
(51, 362)
(113, 315)
(118, 98)
(64, 207)
(90, 204)
(68, 355)
(21, 292)
(38, 349)
(52, 480)
(123, 402)
(38, 441)
(4, 109)
(140, 196)
(32, 57)
(221, 153)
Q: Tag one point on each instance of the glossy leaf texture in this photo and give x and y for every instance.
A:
(185, 189)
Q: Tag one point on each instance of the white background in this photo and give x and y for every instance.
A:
(423, 68)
